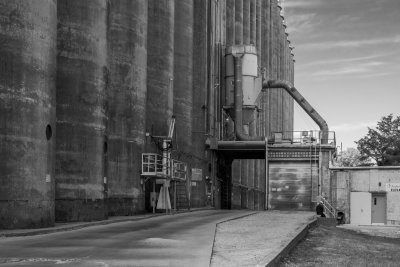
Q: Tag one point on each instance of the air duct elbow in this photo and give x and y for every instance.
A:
(303, 103)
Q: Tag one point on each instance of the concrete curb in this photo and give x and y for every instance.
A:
(77, 225)
(286, 250)
(227, 220)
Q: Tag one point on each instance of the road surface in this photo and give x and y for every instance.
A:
(172, 240)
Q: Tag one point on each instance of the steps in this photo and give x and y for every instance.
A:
(182, 199)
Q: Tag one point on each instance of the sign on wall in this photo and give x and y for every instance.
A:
(393, 187)
(197, 174)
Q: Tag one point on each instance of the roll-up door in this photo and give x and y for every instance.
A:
(291, 184)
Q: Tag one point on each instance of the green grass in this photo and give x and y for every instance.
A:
(330, 246)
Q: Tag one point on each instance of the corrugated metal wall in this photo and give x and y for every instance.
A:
(291, 184)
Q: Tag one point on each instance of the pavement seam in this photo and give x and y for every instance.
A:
(224, 221)
(286, 250)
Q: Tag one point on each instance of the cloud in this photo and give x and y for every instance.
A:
(350, 127)
(360, 68)
(350, 44)
(371, 75)
(343, 60)
(303, 23)
(301, 3)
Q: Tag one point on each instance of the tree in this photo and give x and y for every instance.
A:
(351, 158)
(383, 143)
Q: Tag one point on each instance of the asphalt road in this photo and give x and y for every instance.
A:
(171, 240)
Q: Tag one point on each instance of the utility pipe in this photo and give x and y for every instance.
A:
(303, 103)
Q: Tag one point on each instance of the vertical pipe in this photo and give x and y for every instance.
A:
(236, 165)
(246, 22)
(82, 77)
(292, 81)
(267, 187)
(230, 23)
(259, 31)
(28, 31)
(253, 23)
(204, 14)
(127, 36)
(246, 41)
(238, 22)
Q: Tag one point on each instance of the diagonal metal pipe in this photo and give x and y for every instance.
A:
(303, 103)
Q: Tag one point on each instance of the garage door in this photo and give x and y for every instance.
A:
(291, 185)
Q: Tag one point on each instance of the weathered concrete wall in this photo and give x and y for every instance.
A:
(206, 53)
(123, 68)
(183, 74)
(82, 75)
(27, 112)
(127, 56)
(372, 180)
(160, 65)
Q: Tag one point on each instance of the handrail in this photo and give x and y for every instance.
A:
(304, 137)
(154, 164)
(179, 170)
(328, 207)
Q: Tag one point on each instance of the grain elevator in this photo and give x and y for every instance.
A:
(113, 108)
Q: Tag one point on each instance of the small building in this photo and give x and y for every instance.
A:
(367, 195)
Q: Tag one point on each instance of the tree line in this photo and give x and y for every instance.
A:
(380, 146)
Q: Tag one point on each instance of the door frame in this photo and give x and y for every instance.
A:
(379, 194)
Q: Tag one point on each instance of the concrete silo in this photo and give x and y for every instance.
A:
(127, 57)
(27, 107)
(82, 77)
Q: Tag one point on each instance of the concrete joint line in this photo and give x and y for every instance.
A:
(303, 233)
(227, 220)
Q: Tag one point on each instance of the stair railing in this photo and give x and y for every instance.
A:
(328, 207)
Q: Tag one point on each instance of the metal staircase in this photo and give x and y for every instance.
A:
(330, 210)
(182, 196)
(162, 169)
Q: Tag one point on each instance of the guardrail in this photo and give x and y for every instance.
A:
(156, 165)
(303, 137)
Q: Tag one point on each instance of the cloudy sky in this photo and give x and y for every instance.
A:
(347, 62)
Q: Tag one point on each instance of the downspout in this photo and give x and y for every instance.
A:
(303, 103)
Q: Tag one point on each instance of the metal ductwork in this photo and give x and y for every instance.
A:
(240, 135)
(303, 103)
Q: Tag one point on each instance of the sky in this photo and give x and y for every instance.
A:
(347, 65)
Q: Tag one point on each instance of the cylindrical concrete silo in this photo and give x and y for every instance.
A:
(183, 77)
(160, 65)
(230, 22)
(239, 22)
(27, 106)
(246, 22)
(275, 95)
(82, 76)
(127, 57)
(205, 55)
(258, 34)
